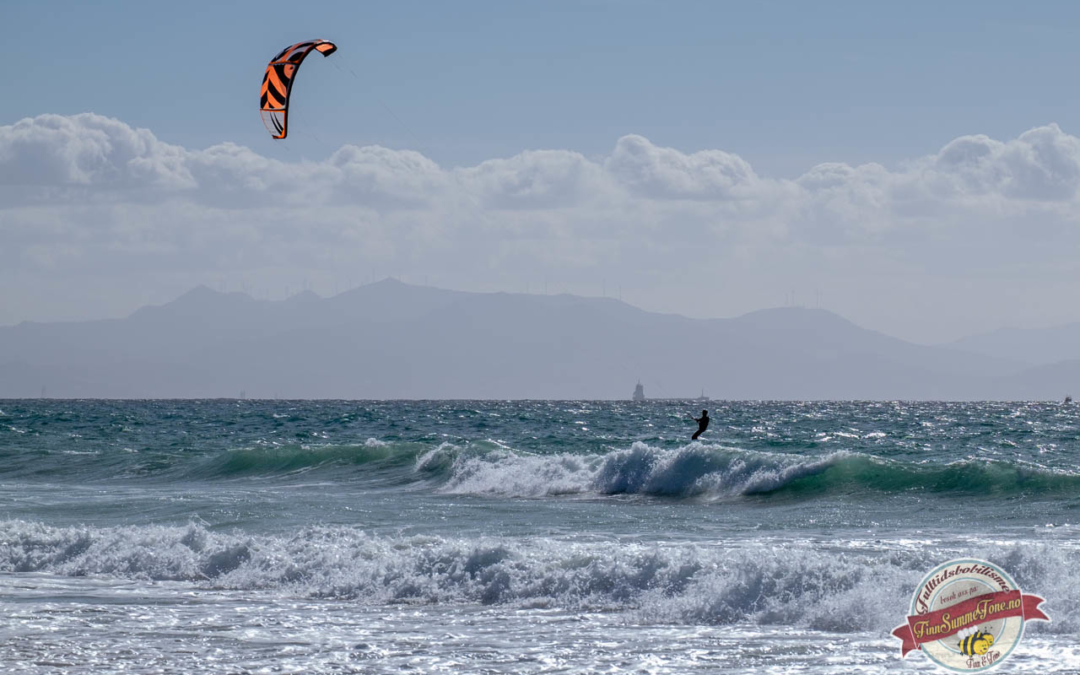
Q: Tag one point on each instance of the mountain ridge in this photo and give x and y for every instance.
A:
(389, 339)
(1034, 346)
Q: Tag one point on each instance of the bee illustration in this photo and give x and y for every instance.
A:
(974, 642)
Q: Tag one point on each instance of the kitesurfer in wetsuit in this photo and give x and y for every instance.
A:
(702, 423)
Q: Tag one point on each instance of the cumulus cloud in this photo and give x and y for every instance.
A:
(391, 177)
(666, 173)
(87, 149)
(535, 179)
(1042, 164)
(90, 195)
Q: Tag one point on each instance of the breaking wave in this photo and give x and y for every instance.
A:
(700, 471)
(487, 467)
(766, 582)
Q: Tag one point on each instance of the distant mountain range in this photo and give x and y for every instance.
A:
(1037, 346)
(393, 340)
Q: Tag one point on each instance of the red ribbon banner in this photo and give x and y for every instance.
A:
(923, 628)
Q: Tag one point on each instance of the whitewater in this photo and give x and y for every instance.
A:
(230, 536)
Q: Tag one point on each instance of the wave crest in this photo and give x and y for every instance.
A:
(768, 582)
(713, 472)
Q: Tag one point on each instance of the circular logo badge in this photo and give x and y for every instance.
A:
(967, 615)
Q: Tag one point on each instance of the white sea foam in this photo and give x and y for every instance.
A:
(767, 582)
(694, 470)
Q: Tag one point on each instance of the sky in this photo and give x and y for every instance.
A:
(913, 167)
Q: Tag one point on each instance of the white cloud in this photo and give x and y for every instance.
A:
(88, 149)
(536, 179)
(87, 197)
(666, 173)
(401, 178)
(1042, 164)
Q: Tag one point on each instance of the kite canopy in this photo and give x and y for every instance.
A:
(278, 80)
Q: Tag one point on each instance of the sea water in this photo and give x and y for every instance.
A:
(235, 536)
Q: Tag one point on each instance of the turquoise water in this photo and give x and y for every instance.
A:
(337, 536)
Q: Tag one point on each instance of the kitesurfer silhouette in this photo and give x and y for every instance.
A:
(702, 423)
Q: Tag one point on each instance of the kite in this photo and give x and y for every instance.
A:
(278, 80)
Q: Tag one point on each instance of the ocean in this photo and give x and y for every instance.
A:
(243, 536)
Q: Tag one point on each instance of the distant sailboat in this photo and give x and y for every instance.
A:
(703, 398)
(639, 392)
(1068, 400)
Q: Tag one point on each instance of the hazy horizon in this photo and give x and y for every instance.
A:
(391, 340)
(289, 293)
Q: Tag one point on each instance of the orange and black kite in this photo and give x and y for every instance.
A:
(278, 80)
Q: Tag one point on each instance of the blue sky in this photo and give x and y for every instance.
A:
(785, 85)
(914, 165)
